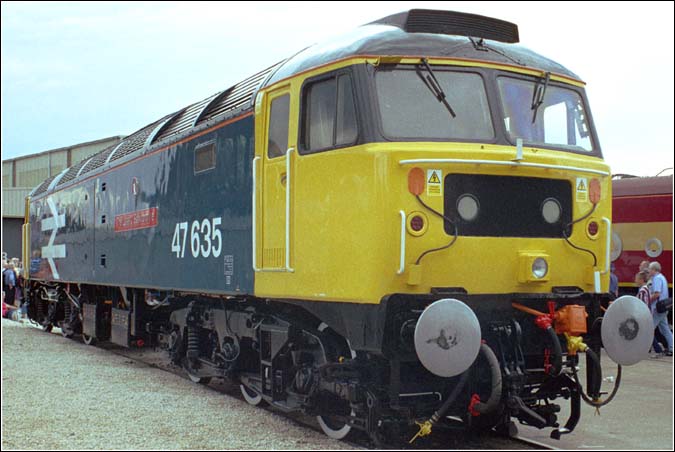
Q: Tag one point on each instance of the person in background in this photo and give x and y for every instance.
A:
(4, 286)
(659, 292)
(613, 283)
(9, 311)
(643, 294)
(641, 279)
(9, 283)
(644, 267)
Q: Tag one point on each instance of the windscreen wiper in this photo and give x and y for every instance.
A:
(538, 95)
(435, 87)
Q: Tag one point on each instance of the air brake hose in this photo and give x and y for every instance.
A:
(496, 380)
(490, 405)
(596, 402)
(425, 427)
(545, 322)
(557, 352)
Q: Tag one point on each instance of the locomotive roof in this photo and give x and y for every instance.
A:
(389, 40)
(639, 186)
(411, 33)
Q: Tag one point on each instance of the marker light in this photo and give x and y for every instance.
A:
(539, 267)
(594, 191)
(416, 223)
(593, 228)
(416, 181)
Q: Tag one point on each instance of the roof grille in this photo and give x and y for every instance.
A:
(43, 186)
(240, 95)
(72, 172)
(183, 120)
(453, 23)
(133, 142)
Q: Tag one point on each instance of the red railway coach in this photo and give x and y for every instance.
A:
(642, 223)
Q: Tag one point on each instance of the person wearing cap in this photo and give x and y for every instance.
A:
(659, 292)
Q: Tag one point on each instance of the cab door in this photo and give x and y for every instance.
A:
(276, 199)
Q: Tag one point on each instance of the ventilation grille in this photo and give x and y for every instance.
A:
(240, 95)
(183, 120)
(134, 142)
(453, 23)
(43, 186)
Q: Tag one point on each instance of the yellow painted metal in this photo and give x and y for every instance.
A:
(25, 239)
(414, 275)
(634, 236)
(273, 189)
(345, 224)
(525, 261)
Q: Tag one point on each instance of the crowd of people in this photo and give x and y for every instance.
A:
(13, 305)
(653, 291)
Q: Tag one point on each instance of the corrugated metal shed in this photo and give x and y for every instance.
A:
(13, 202)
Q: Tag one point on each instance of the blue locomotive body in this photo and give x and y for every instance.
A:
(178, 216)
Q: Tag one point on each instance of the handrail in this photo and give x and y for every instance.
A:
(401, 265)
(288, 210)
(254, 214)
(505, 163)
(608, 245)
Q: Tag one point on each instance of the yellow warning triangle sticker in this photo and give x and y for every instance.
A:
(434, 178)
(581, 186)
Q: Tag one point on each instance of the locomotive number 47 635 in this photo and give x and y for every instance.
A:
(205, 238)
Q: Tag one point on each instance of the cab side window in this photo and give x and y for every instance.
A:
(329, 114)
(277, 138)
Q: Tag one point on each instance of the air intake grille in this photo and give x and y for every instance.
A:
(453, 23)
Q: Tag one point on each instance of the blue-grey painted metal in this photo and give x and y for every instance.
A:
(105, 231)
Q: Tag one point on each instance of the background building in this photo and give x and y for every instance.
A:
(22, 174)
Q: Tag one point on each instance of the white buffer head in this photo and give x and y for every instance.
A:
(447, 337)
(627, 330)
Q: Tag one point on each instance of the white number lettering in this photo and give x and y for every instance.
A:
(194, 238)
(206, 247)
(215, 234)
(184, 227)
(205, 238)
(175, 242)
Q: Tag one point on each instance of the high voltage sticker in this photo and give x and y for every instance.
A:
(582, 189)
(434, 186)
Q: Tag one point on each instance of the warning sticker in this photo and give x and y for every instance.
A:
(434, 185)
(582, 189)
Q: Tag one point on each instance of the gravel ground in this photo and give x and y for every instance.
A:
(61, 394)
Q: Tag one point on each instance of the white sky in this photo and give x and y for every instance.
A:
(75, 72)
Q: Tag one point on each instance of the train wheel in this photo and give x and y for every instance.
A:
(193, 377)
(46, 326)
(332, 422)
(334, 428)
(252, 397)
(89, 340)
(199, 380)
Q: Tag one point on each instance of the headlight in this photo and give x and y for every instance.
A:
(468, 207)
(539, 267)
(551, 210)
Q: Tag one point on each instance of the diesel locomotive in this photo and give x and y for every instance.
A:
(408, 223)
